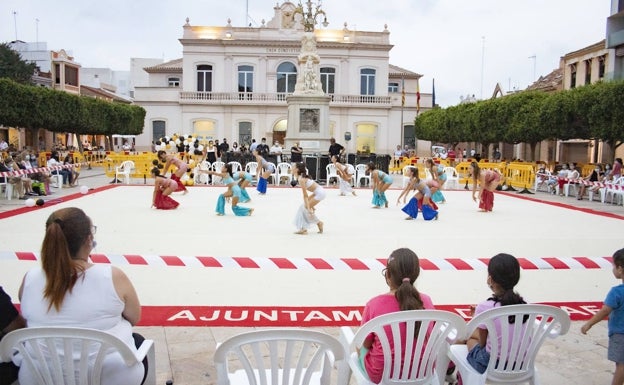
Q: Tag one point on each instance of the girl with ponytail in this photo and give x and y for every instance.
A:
(503, 276)
(401, 272)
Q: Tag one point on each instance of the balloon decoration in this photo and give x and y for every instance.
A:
(29, 202)
(84, 190)
(40, 202)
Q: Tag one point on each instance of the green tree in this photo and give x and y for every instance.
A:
(13, 67)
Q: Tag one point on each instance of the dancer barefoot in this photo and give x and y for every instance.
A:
(232, 192)
(170, 159)
(487, 180)
(163, 187)
(381, 182)
(305, 215)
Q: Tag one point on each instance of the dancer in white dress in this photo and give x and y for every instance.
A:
(313, 193)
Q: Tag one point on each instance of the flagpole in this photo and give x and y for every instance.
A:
(402, 106)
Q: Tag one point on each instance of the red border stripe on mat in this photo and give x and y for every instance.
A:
(319, 264)
(355, 264)
(246, 262)
(135, 259)
(99, 258)
(587, 263)
(556, 263)
(525, 264)
(171, 260)
(209, 262)
(283, 263)
(459, 264)
(24, 256)
(426, 264)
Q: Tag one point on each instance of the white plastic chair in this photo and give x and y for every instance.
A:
(70, 355)
(252, 168)
(514, 360)
(236, 167)
(421, 339)
(201, 177)
(331, 173)
(279, 356)
(273, 174)
(452, 177)
(217, 166)
(124, 169)
(57, 180)
(351, 171)
(360, 173)
(614, 189)
(284, 171)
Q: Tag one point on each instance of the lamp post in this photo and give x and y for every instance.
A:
(309, 15)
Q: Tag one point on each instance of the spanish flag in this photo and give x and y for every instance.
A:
(402, 92)
(417, 97)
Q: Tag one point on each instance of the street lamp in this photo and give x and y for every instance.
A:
(310, 15)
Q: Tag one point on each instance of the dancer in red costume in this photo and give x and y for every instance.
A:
(487, 180)
(170, 159)
(163, 187)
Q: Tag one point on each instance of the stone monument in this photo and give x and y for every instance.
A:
(308, 106)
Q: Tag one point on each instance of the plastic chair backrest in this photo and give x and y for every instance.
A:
(55, 353)
(413, 342)
(513, 356)
(278, 356)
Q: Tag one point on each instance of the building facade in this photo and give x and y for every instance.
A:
(233, 82)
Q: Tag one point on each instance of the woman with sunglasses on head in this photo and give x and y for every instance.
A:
(68, 290)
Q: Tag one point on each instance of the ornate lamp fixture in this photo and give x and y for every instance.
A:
(310, 15)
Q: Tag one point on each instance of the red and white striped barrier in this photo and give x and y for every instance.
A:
(34, 170)
(361, 264)
(613, 186)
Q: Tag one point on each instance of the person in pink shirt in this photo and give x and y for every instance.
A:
(401, 272)
(503, 276)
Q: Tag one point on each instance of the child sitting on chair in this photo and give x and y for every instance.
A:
(401, 272)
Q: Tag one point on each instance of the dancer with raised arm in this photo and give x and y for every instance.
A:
(265, 169)
(421, 199)
(163, 187)
(486, 180)
(170, 159)
(344, 177)
(381, 182)
(305, 215)
(233, 193)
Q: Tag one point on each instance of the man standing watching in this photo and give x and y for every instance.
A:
(335, 149)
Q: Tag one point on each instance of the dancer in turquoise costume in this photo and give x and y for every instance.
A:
(381, 182)
(421, 199)
(438, 175)
(233, 193)
(265, 169)
(244, 179)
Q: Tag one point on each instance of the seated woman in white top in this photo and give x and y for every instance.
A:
(69, 291)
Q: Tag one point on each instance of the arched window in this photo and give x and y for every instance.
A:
(204, 78)
(367, 81)
(286, 77)
(328, 78)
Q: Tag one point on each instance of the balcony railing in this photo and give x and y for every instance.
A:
(277, 98)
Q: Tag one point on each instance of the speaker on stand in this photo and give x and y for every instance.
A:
(312, 164)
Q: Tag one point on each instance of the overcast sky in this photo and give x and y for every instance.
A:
(453, 41)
